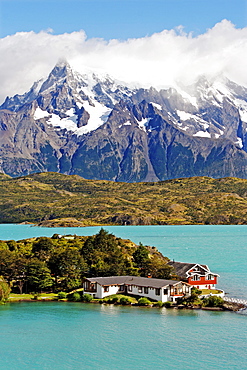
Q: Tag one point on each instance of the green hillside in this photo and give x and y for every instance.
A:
(50, 197)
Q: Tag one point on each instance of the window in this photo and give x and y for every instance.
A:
(157, 291)
(196, 277)
(146, 290)
(165, 291)
(130, 288)
(106, 289)
(139, 289)
(121, 288)
(209, 277)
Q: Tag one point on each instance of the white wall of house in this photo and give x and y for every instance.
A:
(108, 290)
(102, 292)
(152, 293)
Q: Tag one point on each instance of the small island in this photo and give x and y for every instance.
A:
(75, 268)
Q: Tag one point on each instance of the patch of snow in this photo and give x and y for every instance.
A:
(79, 105)
(68, 123)
(218, 135)
(184, 116)
(143, 123)
(221, 89)
(39, 113)
(242, 108)
(202, 134)
(239, 142)
(127, 123)
(98, 115)
(243, 115)
(158, 106)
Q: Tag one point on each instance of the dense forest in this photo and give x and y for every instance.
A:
(60, 263)
(53, 199)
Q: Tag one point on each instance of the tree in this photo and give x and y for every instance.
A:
(38, 276)
(141, 256)
(4, 290)
(158, 268)
(42, 248)
(68, 267)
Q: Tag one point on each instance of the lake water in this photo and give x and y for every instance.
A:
(59, 336)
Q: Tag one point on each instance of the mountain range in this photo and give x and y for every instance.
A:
(99, 128)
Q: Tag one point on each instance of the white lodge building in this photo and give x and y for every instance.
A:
(155, 289)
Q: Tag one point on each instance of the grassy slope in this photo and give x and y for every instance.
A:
(197, 200)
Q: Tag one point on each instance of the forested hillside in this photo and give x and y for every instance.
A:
(61, 262)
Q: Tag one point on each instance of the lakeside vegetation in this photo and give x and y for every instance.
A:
(52, 199)
(60, 263)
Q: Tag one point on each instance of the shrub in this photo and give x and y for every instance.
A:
(144, 301)
(75, 297)
(61, 295)
(125, 301)
(213, 301)
(159, 304)
(87, 298)
(167, 304)
(4, 290)
(115, 300)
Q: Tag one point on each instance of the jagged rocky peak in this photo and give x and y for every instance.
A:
(92, 125)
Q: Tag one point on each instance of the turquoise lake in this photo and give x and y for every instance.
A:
(52, 335)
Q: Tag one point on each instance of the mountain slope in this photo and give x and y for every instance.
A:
(99, 128)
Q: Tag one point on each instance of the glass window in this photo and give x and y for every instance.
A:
(130, 288)
(165, 291)
(139, 289)
(196, 277)
(157, 291)
(106, 289)
(146, 290)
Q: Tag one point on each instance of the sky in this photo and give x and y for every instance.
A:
(150, 42)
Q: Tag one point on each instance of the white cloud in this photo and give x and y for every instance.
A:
(159, 60)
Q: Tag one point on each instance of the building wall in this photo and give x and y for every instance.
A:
(151, 293)
(161, 294)
(203, 283)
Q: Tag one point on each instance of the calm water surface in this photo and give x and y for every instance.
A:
(59, 336)
(86, 336)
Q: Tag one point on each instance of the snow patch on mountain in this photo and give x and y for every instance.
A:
(39, 114)
(127, 123)
(202, 134)
(143, 124)
(98, 115)
(155, 105)
(239, 142)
